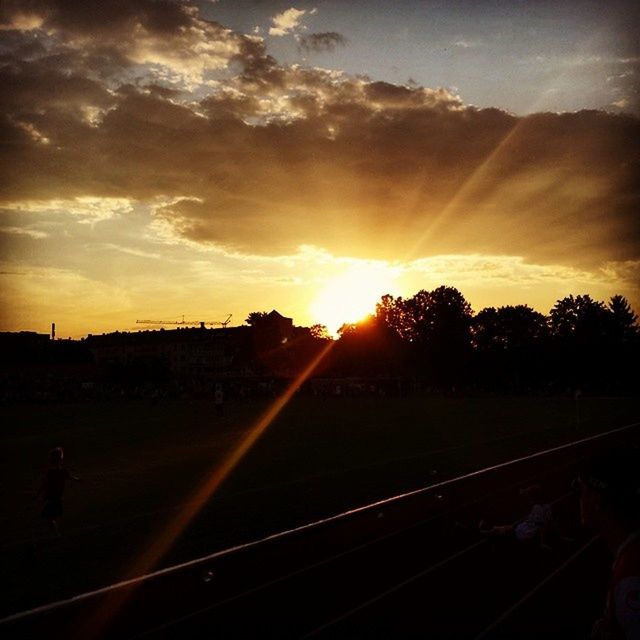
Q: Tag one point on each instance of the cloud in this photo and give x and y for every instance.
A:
(110, 37)
(321, 42)
(506, 270)
(265, 157)
(24, 231)
(466, 44)
(627, 271)
(84, 208)
(291, 156)
(622, 103)
(285, 22)
(110, 246)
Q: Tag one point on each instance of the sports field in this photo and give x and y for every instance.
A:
(140, 462)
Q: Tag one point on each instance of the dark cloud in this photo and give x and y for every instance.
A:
(86, 20)
(321, 42)
(277, 156)
(40, 87)
(112, 36)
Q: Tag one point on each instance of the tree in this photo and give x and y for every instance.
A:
(438, 325)
(510, 345)
(391, 312)
(439, 319)
(582, 332)
(580, 319)
(319, 332)
(624, 320)
(256, 317)
(508, 328)
(368, 348)
(486, 332)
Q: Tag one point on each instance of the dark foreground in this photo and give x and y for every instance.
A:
(409, 567)
(141, 462)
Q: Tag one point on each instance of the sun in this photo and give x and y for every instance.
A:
(351, 295)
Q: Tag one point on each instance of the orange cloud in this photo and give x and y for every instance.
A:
(267, 157)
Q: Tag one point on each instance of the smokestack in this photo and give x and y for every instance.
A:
(53, 330)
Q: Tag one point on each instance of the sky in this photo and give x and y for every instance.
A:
(163, 158)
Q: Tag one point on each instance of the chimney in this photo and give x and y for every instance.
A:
(53, 330)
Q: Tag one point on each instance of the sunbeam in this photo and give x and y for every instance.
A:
(483, 170)
(151, 556)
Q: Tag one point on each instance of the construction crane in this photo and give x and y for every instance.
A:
(190, 323)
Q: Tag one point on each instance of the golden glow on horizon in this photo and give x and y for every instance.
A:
(352, 295)
(286, 174)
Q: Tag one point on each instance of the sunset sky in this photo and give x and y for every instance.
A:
(204, 158)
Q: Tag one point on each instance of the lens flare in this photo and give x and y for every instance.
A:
(97, 623)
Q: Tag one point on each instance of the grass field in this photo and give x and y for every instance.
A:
(139, 463)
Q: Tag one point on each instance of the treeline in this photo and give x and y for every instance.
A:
(581, 344)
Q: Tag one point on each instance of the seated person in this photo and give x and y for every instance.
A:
(535, 526)
(610, 505)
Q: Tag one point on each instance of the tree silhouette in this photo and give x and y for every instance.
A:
(580, 319)
(391, 312)
(368, 348)
(437, 325)
(319, 332)
(256, 317)
(508, 328)
(582, 331)
(624, 320)
(510, 344)
(434, 335)
(438, 318)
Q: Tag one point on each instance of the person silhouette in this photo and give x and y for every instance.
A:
(218, 399)
(52, 488)
(535, 526)
(610, 504)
